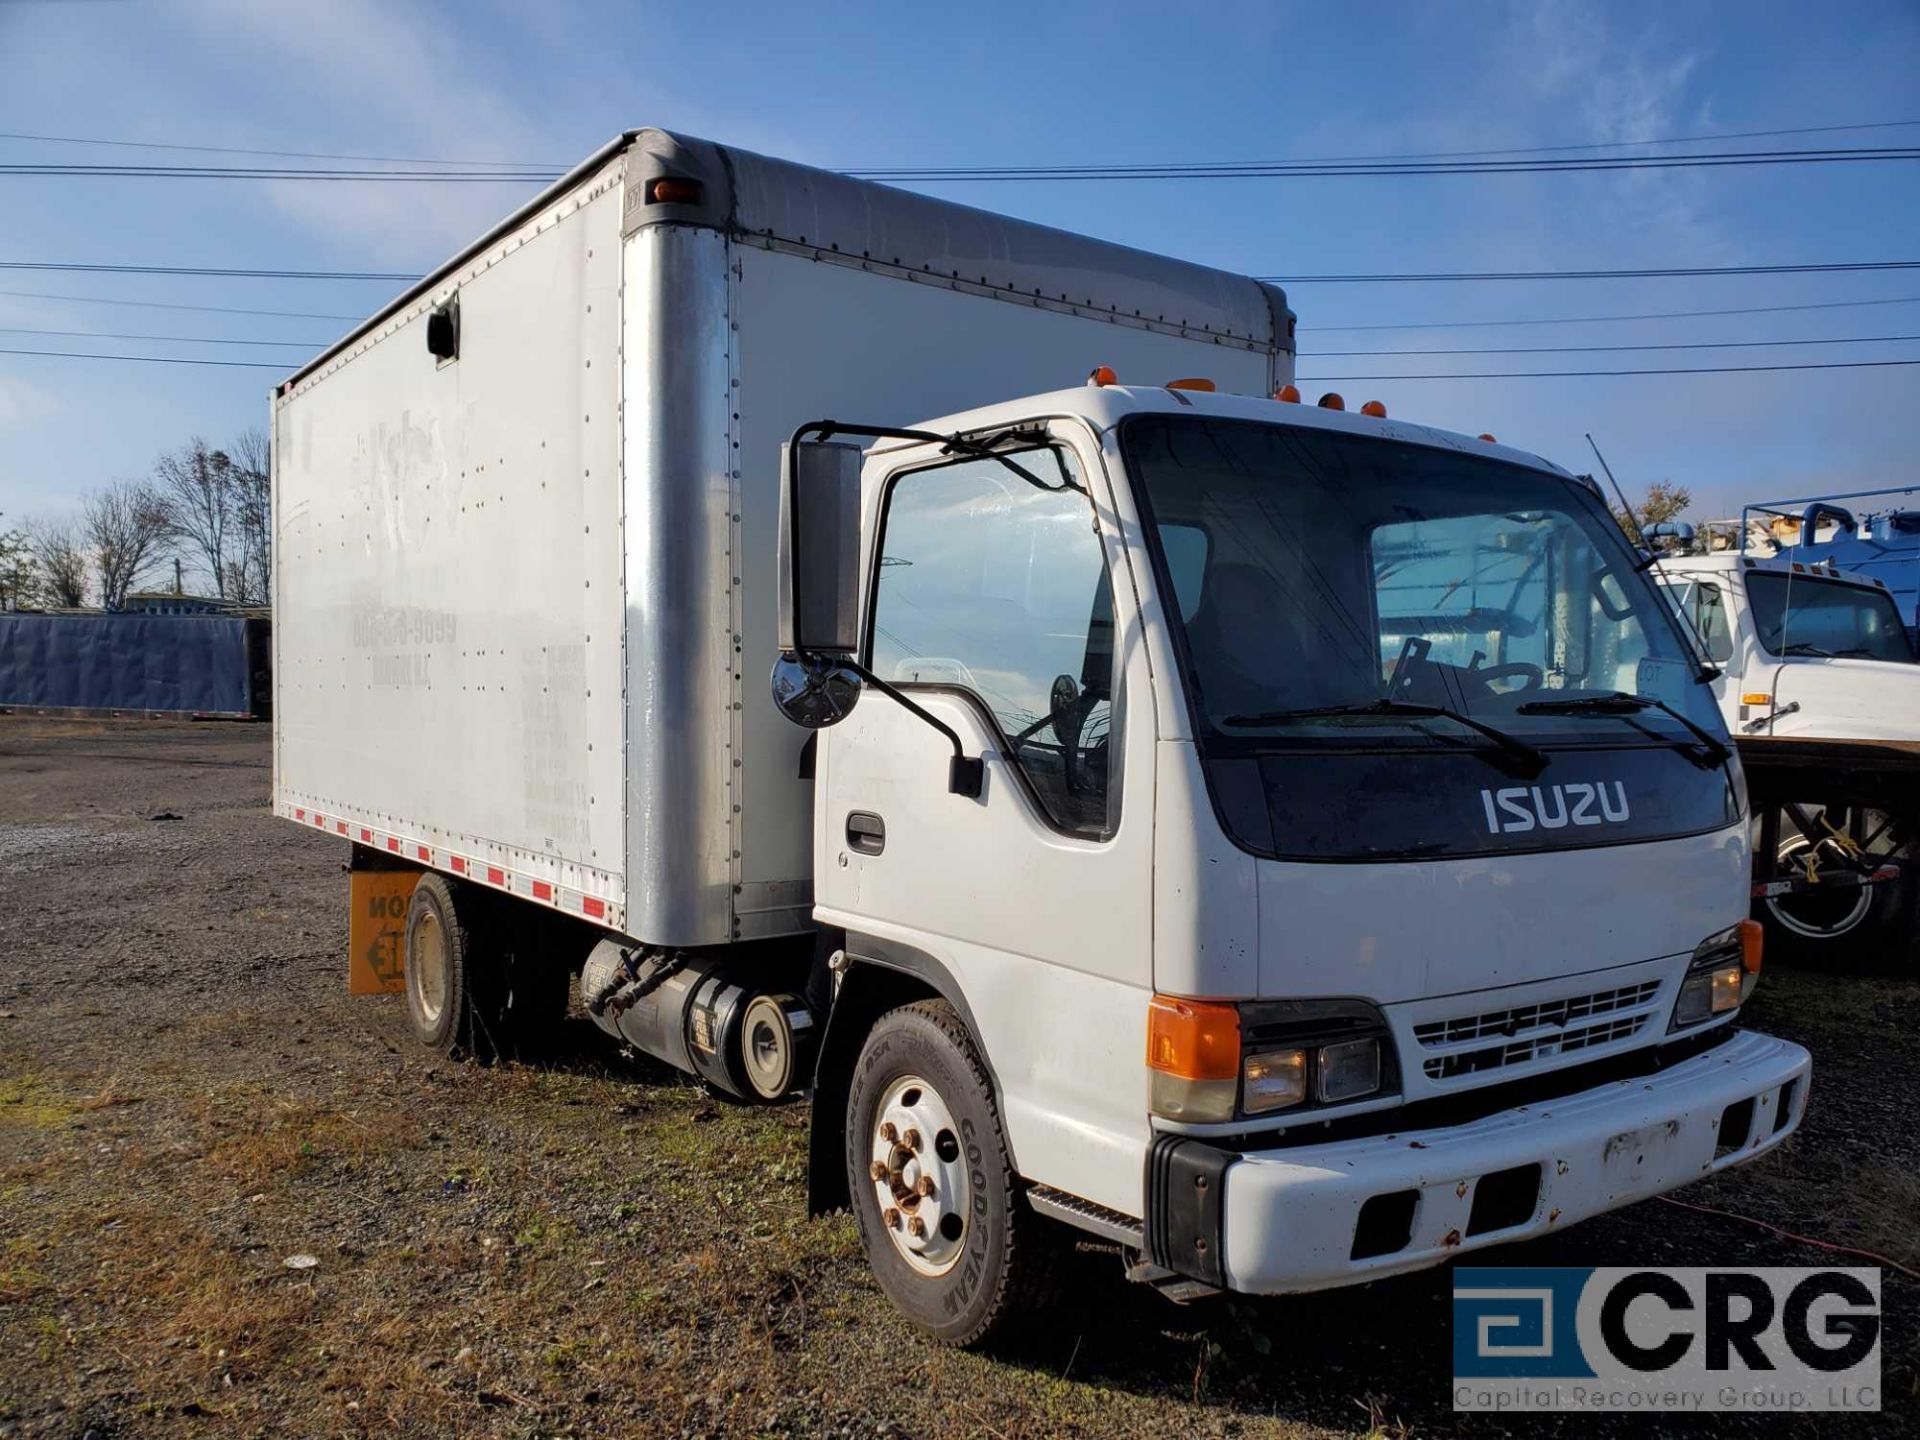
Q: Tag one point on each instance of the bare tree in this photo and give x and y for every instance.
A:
(128, 525)
(195, 479)
(250, 486)
(1664, 501)
(61, 553)
(19, 571)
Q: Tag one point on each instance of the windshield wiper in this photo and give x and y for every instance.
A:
(1531, 757)
(1620, 703)
(1806, 647)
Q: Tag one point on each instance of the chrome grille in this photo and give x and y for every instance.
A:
(1534, 1032)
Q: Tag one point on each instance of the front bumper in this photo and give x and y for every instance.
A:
(1313, 1217)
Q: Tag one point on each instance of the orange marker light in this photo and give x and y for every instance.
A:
(1194, 1039)
(673, 190)
(1751, 938)
(1332, 401)
(1195, 383)
(1103, 375)
(1375, 409)
(1756, 697)
(1289, 394)
(1490, 440)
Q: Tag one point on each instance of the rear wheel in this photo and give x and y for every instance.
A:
(476, 981)
(946, 1229)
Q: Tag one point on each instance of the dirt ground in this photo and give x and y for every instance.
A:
(188, 1097)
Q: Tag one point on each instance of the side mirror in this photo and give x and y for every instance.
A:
(820, 549)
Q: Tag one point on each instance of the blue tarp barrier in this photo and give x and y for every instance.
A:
(191, 664)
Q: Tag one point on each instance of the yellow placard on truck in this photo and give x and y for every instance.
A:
(376, 938)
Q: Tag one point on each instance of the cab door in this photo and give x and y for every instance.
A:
(1000, 604)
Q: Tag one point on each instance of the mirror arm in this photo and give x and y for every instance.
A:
(966, 775)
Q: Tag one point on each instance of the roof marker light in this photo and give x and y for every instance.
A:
(1195, 382)
(1288, 394)
(673, 190)
(1375, 409)
(1489, 439)
(1103, 375)
(1332, 401)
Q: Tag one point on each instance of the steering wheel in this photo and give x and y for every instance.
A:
(1531, 676)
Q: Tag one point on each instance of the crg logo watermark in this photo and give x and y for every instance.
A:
(1553, 807)
(1689, 1339)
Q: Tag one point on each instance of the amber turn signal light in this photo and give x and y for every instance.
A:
(1752, 939)
(1194, 1039)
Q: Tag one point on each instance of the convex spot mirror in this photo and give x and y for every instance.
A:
(814, 691)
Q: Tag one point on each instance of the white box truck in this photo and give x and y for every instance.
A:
(1212, 822)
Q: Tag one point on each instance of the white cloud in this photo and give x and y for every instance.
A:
(386, 81)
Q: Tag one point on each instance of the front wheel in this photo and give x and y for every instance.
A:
(1838, 926)
(946, 1229)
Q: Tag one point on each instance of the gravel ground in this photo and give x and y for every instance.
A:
(188, 1097)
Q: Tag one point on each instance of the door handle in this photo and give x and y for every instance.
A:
(866, 832)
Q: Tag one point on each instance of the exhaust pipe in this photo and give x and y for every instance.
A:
(702, 1015)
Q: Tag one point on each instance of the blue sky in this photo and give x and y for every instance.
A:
(1114, 82)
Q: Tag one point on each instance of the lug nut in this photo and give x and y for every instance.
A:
(888, 1133)
(878, 1170)
(923, 1187)
(911, 1140)
(892, 1217)
(916, 1227)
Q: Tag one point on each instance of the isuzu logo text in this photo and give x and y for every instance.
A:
(1553, 807)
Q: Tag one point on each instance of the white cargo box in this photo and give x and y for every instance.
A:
(524, 595)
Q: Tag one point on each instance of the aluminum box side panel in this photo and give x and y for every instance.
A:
(817, 339)
(681, 574)
(448, 564)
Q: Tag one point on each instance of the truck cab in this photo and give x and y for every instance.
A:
(1317, 841)
(1803, 649)
(1819, 685)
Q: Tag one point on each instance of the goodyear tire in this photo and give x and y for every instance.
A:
(475, 982)
(946, 1228)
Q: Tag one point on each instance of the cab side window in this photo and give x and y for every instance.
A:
(993, 585)
(1710, 619)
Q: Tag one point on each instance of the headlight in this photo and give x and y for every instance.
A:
(1724, 970)
(1210, 1061)
(1274, 1080)
(1347, 1071)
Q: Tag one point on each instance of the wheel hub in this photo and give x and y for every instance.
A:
(919, 1176)
(427, 967)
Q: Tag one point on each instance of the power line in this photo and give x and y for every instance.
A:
(524, 165)
(1323, 379)
(171, 339)
(1567, 374)
(1658, 273)
(1598, 319)
(1596, 349)
(1296, 170)
(1303, 160)
(226, 272)
(153, 359)
(421, 160)
(165, 305)
(1357, 279)
(1276, 169)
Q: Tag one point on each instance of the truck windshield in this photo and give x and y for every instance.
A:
(1795, 614)
(1343, 596)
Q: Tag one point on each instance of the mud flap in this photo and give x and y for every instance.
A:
(376, 934)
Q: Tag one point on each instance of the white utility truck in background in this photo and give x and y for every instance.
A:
(1819, 685)
(1213, 823)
